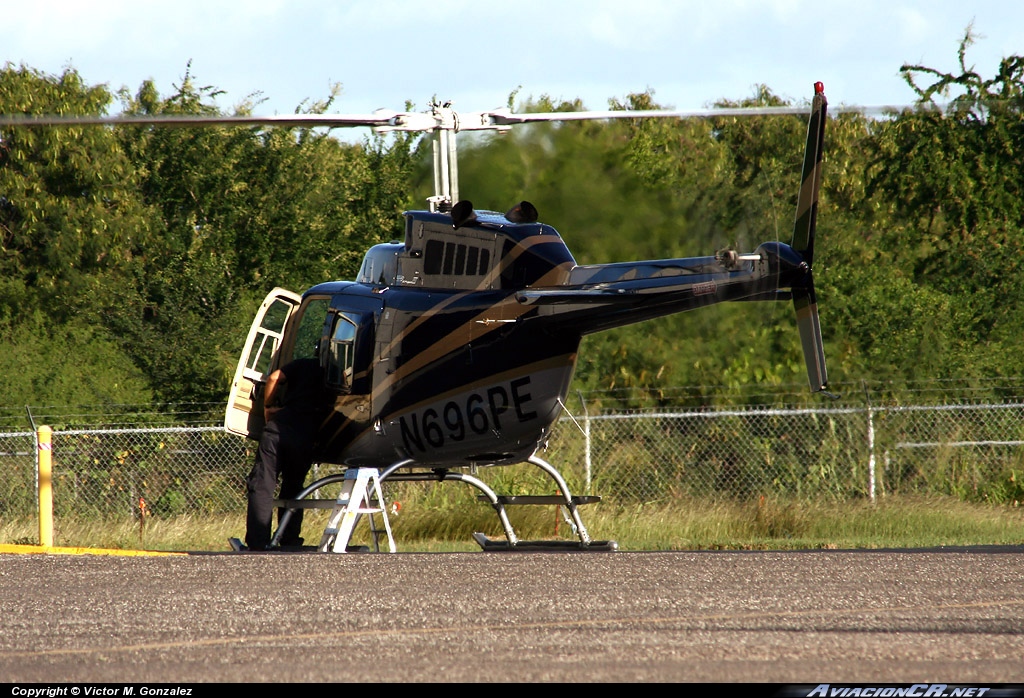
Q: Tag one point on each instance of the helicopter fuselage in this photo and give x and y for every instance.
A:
(458, 344)
(439, 377)
(455, 370)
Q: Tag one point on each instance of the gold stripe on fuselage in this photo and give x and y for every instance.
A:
(508, 309)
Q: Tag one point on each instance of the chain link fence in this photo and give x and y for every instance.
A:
(626, 447)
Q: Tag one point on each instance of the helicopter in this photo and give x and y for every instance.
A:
(453, 348)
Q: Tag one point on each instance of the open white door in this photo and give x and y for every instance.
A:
(244, 414)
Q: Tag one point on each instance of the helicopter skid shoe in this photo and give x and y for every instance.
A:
(535, 546)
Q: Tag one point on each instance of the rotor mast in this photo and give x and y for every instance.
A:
(446, 160)
(444, 123)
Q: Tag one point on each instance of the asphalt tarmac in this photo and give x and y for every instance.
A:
(801, 618)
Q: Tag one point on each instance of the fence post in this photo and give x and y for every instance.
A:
(871, 441)
(44, 440)
(871, 452)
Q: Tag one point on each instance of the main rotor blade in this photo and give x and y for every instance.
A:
(504, 118)
(438, 120)
(377, 119)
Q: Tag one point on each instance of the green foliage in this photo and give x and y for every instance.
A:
(167, 239)
(74, 363)
(952, 182)
(70, 217)
(244, 210)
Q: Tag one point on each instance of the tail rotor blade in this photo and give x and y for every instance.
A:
(810, 338)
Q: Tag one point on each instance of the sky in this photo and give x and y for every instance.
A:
(385, 53)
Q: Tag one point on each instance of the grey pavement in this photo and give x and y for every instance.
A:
(768, 617)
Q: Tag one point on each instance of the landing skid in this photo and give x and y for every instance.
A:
(406, 471)
(565, 499)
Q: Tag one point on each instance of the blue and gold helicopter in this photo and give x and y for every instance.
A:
(454, 347)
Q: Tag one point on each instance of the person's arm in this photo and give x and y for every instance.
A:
(275, 384)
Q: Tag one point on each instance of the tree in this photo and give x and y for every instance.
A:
(162, 241)
(953, 182)
(70, 225)
(68, 211)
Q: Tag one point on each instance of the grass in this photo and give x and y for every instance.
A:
(447, 526)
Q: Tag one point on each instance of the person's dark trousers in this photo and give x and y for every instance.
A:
(285, 453)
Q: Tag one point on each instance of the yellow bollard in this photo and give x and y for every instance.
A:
(44, 436)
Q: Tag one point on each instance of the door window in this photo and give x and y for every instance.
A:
(268, 336)
(341, 356)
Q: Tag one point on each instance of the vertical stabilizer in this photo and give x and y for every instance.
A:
(807, 202)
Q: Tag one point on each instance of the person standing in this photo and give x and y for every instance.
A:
(295, 406)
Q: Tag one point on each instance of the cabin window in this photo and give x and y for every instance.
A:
(449, 258)
(261, 354)
(310, 327)
(433, 258)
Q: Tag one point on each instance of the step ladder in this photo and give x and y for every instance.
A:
(360, 494)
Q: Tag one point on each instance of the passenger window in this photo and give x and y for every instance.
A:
(432, 260)
(449, 257)
(261, 354)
